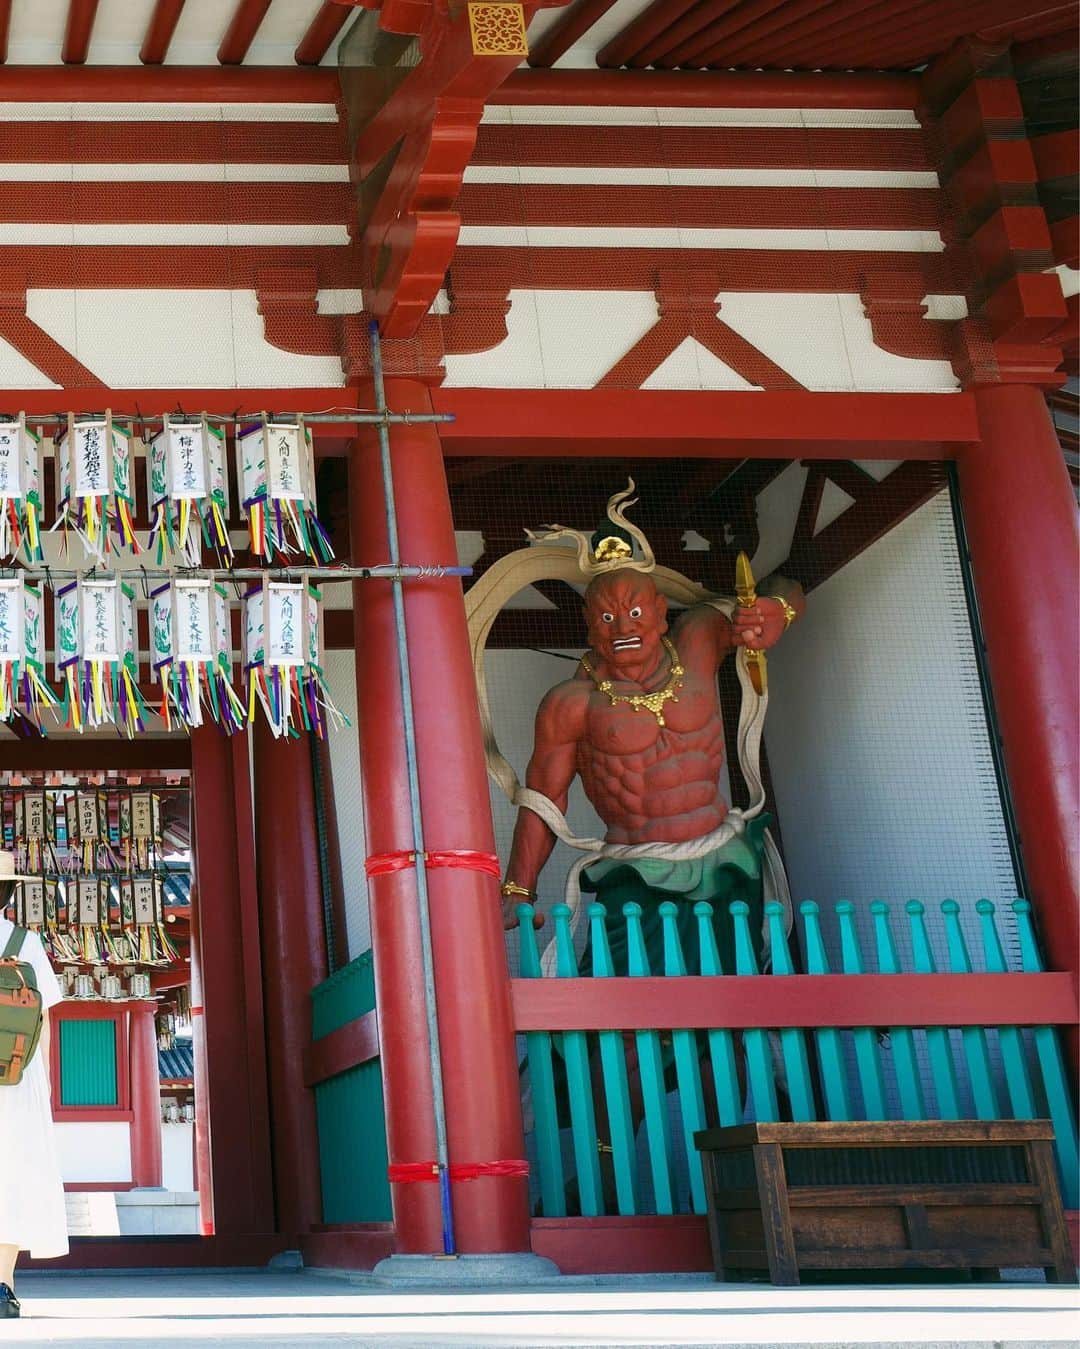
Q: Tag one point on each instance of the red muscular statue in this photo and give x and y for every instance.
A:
(640, 722)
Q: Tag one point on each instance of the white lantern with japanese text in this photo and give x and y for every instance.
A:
(188, 483)
(282, 657)
(96, 654)
(22, 654)
(20, 489)
(276, 470)
(192, 653)
(94, 483)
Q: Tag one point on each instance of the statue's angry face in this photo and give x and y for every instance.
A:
(627, 618)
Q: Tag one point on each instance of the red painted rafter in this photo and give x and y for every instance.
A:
(322, 30)
(241, 31)
(647, 26)
(575, 23)
(726, 27)
(80, 26)
(5, 25)
(802, 23)
(686, 30)
(159, 31)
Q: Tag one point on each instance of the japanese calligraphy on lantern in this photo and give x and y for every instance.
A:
(91, 459)
(284, 466)
(286, 611)
(194, 634)
(11, 620)
(100, 626)
(143, 894)
(10, 460)
(33, 903)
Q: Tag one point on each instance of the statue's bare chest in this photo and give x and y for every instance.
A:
(682, 717)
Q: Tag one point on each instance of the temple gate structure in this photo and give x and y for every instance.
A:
(807, 272)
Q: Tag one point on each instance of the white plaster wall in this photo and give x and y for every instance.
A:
(177, 1156)
(344, 742)
(95, 1151)
(877, 740)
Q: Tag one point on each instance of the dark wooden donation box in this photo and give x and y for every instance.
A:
(935, 1194)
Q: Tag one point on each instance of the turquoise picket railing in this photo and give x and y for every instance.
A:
(633, 1087)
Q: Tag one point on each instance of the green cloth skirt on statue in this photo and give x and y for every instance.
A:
(730, 873)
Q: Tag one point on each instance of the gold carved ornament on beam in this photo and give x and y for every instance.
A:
(497, 28)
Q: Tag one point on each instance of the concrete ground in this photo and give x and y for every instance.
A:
(240, 1309)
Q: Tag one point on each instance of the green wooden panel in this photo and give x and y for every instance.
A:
(352, 1146)
(343, 997)
(88, 1063)
(349, 1110)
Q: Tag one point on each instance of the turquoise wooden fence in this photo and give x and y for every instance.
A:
(612, 1104)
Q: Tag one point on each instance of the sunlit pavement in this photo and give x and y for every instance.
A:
(310, 1308)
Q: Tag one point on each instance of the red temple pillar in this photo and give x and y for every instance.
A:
(231, 1011)
(201, 1131)
(294, 961)
(145, 1097)
(473, 993)
(1020, 516)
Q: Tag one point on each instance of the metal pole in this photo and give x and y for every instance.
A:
(325, 575)
(422, 900)
(223, 419)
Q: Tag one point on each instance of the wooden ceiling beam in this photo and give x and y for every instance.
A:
(78, 31)
(246, 20)
(159, 31)
(324, 27)
(571, 26)
(660, 15)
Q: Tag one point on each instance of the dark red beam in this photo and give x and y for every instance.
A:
(354, 1043)
(77, 33)
(159, 31)
(657, 207)
(201, 142)
(152, 203)
(241, 31)
(575, 23)
(704, 147)
(701, 89)
(196, 267)
(322, 30)
(177, 84)
(90, 753)
(807, 1000)
(5, 25)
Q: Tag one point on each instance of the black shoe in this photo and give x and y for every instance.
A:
(9, 1303)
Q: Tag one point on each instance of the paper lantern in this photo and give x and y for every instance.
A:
(139, 818)
(94, 484)
(34, 832)
(22, 654)
(20, 489)
(277, 477)
(96, 654)
(86, 826)
(142, 917)
(188, 483)
(192, 653)
(282, 657)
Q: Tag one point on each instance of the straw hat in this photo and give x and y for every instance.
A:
(7, 869)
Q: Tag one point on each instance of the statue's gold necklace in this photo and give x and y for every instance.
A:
(653, 702)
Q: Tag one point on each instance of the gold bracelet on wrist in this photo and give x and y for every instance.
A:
(509, 888)
(789, 613)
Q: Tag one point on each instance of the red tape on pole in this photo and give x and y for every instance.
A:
(405, 1173)
(461, 859)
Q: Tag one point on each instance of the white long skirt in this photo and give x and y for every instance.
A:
(32, 1210)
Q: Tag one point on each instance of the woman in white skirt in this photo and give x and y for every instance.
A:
(32, 1212)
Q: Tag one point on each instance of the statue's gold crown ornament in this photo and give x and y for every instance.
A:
(612, 552)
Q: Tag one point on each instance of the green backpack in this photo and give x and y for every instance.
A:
(20, 1011)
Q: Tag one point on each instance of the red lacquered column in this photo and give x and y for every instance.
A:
(475, 1023)
(230, 965)
(294, 961)
(1020, 515)
(145, 1097)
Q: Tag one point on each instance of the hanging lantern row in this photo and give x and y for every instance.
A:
(97, 920)
(97, 661)
(187, 489)
(89, 840)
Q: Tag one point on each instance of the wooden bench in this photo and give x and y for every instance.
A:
(935, 1194)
